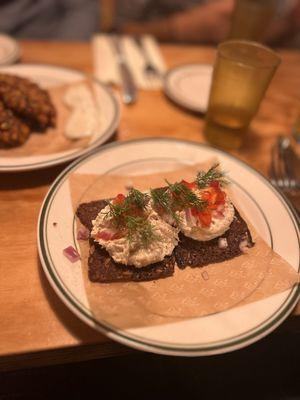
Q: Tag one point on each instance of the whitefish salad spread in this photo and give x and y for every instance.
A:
(218, 222)
(138, 236)
(142, 228)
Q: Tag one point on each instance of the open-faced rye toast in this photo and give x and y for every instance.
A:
(139, 237)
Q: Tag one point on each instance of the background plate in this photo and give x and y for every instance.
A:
(217, 333)
(189, 85)
(9, 49)
(50, 76)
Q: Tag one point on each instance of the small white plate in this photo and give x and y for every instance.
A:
(9, 50)
(266, 209)
(189, 85)
(50, 76)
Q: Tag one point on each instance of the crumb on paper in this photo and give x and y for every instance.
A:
(129, 185)
(205, 275)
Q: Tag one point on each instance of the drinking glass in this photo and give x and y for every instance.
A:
(251, 18)
(242, 73)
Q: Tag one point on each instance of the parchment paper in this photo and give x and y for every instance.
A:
(257, 274)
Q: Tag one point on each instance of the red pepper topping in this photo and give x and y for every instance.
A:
(189, 185)
(214, 196)
(215, 184)
(119, 199)
(203, 216)
(220, 197)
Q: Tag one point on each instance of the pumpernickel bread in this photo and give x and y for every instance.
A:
(194, 253)
(102, 267)
(188, 252)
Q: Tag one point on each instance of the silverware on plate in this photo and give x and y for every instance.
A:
(285, 170)
(129, 88)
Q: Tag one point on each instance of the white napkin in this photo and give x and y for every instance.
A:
(106, 67)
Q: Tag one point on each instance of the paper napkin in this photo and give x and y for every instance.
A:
(106, 66)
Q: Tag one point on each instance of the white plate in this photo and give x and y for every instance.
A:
(9, 49)
(50, 76)
(189, 85)
(218, 333)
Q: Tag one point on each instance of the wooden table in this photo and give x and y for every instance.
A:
(36, 328)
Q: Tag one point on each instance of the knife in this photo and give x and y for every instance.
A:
(129, 88)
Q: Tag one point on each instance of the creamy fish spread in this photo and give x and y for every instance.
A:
(191, 226)
(132, 251)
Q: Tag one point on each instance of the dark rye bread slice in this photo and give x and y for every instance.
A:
(86, 212)
(101, 266)
(193, 253)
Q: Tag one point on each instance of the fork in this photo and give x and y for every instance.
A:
(149, 69)
(284, 163)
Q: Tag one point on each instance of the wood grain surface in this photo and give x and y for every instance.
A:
(36, 328)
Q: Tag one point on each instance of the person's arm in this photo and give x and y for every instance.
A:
(108, 10)
(283, 29)
(77, 19)
(204, 23)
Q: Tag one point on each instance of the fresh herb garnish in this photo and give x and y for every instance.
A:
(116, 212)
(183, 197)
(128, 216)
(134, 202)
(176, 197)
(141, 227)
(203, 179)
(128, 213)
(162, 200)
(137, 199)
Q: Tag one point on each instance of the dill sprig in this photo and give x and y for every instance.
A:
(203, 179)
(183, 197)
(162, 200)
(137, 199)
(129, 217)
(116, 212)
(176, 197)
(140, 227)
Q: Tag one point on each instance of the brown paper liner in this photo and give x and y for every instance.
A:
(53, 140)
(257, 274)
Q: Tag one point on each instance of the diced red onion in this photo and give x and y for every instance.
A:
(83, 233)
(218, 214)
(169, 219)
(220, 208)
(205, 275)
(107, 234)
(71, 254)
(188, 215)
(243, 245)
(222, 243)
(190, 219)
